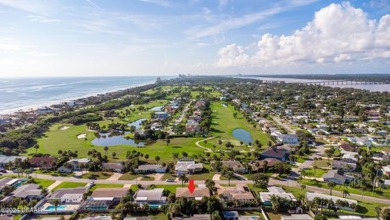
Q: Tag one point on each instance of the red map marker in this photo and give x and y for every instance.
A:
(191, 186)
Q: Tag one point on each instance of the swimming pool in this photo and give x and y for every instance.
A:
(53, 208)
(154, 206)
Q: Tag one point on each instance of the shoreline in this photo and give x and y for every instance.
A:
(12, 111)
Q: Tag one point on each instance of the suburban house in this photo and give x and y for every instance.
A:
(239, 193)
(151, 168)
(9, 182)
(259, 165)
(28, 192)
(77, 163)
(310, 197)
(198, 193)
(336, 176)
(338, 164)
(70, 195)
(4, 160)
(347, 148)
(289, 139)
(350, 157)
(192, 126)
(188, 167)
(265, 197)
(150, 197)
(44, 162)
(63, 169)
(386, 170)
(235, 165)
(109, 194)
(275, 152)
(115, 167)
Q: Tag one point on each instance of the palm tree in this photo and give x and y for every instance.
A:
(275, 203)
(56, 202)
(345, 193)
(36, 147)
(229, 175)
(105, 150)
(331, 185)
(265, 164)
(183, 178)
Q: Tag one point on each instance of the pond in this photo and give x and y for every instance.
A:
(137, 124)
(156, 109)
(107, 139)
(243, 135)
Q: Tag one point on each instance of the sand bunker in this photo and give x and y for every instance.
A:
(64, 128)
(81, 136)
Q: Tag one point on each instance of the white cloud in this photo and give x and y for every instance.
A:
(162, 3)
(41, 19)
(245, 20)
(338, 33)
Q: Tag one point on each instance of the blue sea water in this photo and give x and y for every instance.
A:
(24, 93)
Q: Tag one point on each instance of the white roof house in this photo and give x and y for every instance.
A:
(153, 196)
(265, 197)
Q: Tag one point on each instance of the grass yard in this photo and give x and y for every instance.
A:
(56, 139)
(386, 192)
(69, 185)
(364, 208)
(152, 215)
(202, 176)
(322, 163)
(317, 173)
(96, 186)
(97, 175)
(223, 125)
(43, 182)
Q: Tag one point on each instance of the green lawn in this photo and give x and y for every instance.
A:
(364, 208)
(69, 185)
(386, 192)
(96, 186)
(56, 139)
(202, 176)
(152, 216)
(43, 182)
(97, 175)
(322, 163)
(315, 173)
(223, 125)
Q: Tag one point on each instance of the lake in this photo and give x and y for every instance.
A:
(242, 135)
(106, 139)
(137, 124)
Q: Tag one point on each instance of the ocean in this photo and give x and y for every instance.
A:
(26, 93)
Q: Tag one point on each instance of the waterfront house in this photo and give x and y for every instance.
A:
(150, 197)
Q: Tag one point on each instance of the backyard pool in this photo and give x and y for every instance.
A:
(53, 208)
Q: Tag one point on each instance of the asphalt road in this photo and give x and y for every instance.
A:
(292, 183)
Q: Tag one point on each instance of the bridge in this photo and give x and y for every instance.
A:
(327, 82)
(343, 82)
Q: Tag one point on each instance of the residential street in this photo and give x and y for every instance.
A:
(271, 182)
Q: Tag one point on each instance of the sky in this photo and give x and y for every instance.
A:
(168, 37)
